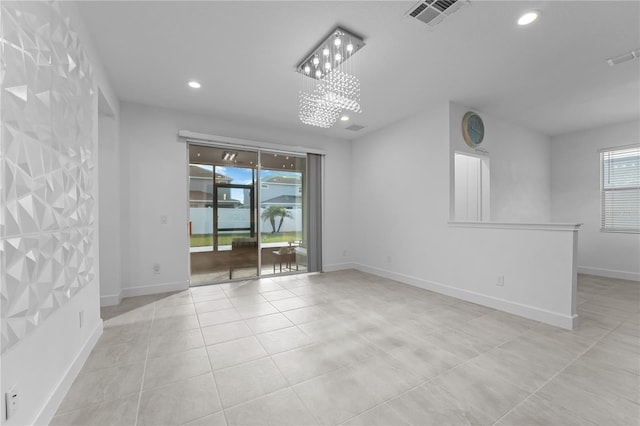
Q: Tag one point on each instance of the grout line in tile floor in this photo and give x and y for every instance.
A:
(215, 382)
(385, 402)
(569, 364)
(591, 340)
(432, 379)
(146, 359)
(422, 383)
(270, 356)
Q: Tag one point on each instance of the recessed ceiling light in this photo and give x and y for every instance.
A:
(229, 156)
(528, 17)
(194, 84)
(344, 118)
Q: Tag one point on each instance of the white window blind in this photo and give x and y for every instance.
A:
(620, 189)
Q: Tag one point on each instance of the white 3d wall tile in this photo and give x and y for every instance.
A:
(46, 165)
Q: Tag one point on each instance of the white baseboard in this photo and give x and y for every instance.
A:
(609, 273)
(56, 398)
(111, 300)
(338, 266)
(526, 311)
(155, 289)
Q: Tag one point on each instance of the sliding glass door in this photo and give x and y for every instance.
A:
(282, 213)
(222, 214)
(247, 214)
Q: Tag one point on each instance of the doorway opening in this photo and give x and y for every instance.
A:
(471, 190)
(247, 214)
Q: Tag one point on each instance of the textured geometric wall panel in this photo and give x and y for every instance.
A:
(46, 165)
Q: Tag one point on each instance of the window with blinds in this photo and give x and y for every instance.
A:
(620, 189)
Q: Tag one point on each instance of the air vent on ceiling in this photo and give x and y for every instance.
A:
(355, 127)
(432, 12)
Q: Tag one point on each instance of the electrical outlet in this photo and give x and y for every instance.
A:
(344, 253)
(81, 319)
(163, 220)
(500, 282)
(156, 268)
(11, 402)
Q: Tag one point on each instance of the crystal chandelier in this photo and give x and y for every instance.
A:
(328, 80)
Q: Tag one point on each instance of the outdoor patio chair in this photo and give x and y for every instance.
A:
(286, 255)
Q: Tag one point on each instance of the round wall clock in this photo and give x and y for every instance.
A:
(472, 129)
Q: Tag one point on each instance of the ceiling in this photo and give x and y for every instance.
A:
(551, 76)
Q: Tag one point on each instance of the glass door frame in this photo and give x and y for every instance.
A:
(253, 226)
(255, 199)
(303, 196)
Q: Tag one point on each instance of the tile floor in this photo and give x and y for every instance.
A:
(355, 349)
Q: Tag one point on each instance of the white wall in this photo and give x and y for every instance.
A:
(520, 167)
(45, 362)
(109, 207)
(409, 163)
(575, 177)
(154, 184)
(109, 201)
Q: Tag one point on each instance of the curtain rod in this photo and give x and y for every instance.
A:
(190, 136)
